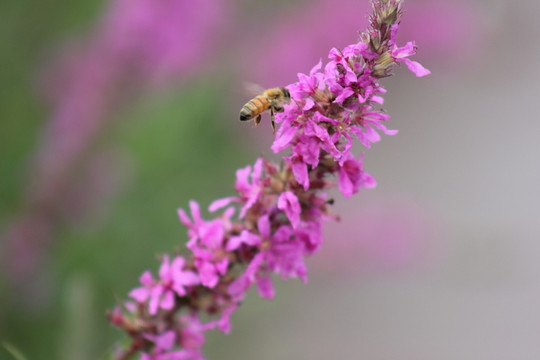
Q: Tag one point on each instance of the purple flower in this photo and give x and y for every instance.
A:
(286, 254)
(192, 330)
(210, 266)
(249, 192)
(304, 153)
(289, 203)
(255, 271)
(172, 279)
(309, 233)
(352, 176)
(207, 233)
(316, 131)
(207, 241)
(285, 133)
(141, 294)
(401, 54)
(308, 85)
(339, 68)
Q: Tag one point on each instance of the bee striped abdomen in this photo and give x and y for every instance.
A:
(254, 107)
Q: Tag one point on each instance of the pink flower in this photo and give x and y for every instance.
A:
(255, 271)
(339, 67)
(209, 233)
(286, 254)
(401, 54)
(289, 203)
(249, 192)
(309, 233)
(317, 132)
(192, 329)
(304, 153)
(141, 294)
(210, 266)
(177, 278)
(283, 255)
(352, 176)
(207, 241)
(172, 279)
(285, 133)
(308, 85)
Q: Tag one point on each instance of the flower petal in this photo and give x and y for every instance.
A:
(289, 203)
(416, 68)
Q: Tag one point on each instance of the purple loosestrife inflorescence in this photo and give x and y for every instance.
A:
(281, 207)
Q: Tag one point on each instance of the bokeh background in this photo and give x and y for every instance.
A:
(114, 113)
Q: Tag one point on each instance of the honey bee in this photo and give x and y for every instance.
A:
(272, 99)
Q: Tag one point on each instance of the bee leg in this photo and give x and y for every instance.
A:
(272, 118)
(258, 120)
(278, 108)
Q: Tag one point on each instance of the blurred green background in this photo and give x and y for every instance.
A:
(181, 145)
(438, 262)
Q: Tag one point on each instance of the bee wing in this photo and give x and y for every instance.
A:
(253, 89)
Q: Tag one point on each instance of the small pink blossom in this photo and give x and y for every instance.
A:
(141, 294)
(172, 279)
(289, 203)
(401, 54)
(284, 135)
(207, 233)
(286, 254)
(249, 192)
(308, 84)
(352, 176)
(191, 335)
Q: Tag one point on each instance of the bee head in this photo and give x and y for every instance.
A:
(286, 93)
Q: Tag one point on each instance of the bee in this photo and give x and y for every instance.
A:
(272, 99)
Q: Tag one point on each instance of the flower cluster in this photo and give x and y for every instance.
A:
(280, 208)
